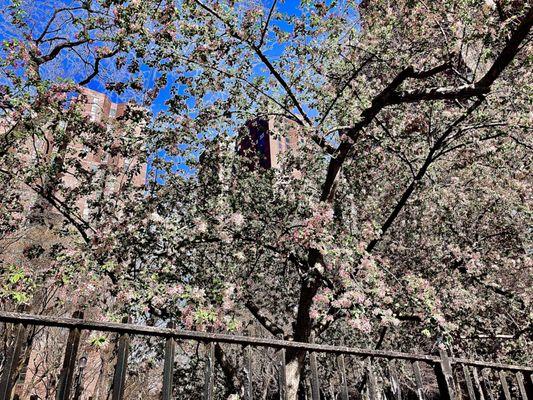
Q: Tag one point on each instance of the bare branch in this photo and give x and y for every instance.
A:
(96, 67)
(265, 28)
(56, 50)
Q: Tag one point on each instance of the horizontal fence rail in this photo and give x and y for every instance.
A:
(457, 378)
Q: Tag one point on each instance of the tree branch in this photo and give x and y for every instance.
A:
(264, 320)
(96, 67)
(56, 50)
(341, 91)
(420, 174)
(265, 28)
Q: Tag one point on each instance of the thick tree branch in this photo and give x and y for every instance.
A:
(509, 51)
(264, 320)
(390, 96)
(63, 210)
(230, 372)
(56, 50)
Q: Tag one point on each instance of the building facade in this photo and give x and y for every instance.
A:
(98, 108)
(267, 139)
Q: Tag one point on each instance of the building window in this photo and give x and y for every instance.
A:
(86, 211)
(127, 163)
(94, 110)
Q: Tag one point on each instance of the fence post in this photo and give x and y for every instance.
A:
(528, 377)
(344, 383)
(521, 388)
(248, 371)
(168, 368)
(418, 380)
(485, 384)
(469, 385)
(210, 372)
(315, 384)
(444, 373)
(394, 381)
(11, 365)
(505, 385)
(119, 378)
(371, 381)
(478, 384)
(282, 376)
(69, 361)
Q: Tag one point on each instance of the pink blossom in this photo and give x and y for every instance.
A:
(237, 219)
(174, 290)
(297, 174)
(201, 226)
(321, 298)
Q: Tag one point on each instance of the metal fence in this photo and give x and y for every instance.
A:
(456, 378)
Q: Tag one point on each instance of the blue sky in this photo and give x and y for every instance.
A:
(289, 7)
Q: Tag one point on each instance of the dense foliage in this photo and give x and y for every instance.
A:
(401, 221)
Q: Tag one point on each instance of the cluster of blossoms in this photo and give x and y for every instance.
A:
(315, 231)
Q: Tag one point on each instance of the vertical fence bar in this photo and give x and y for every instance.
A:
(209, 384)
(418, 380)
(119, 378)
(248, 372)
(469, 385)
(11, 365)
(521, 387)
(528, 377)
(168, 368)
(444, 373)
(457, 385)
(485, 383)
(315, 383)
(394, 381)
(478, 384)
(344, 382)
(505, 385)
(69, 361)
(371, 381)
(282, 376)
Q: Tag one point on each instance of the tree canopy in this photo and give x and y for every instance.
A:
(402, 219)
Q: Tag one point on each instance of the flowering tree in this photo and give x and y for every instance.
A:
(400, 220)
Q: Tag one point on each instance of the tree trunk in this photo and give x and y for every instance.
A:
(294, 371)
(303, 326)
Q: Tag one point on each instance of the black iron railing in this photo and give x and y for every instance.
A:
(456, 378)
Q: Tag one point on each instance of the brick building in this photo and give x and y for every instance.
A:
(268, 139)
(100, 109)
